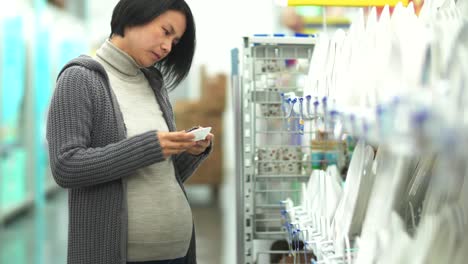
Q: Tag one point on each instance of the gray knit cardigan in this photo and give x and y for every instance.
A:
(90, 154)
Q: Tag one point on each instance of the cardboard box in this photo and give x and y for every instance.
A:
(193, 113)
(213, 91)
(210, 171)
(188, 114)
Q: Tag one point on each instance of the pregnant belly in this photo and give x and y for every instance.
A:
(159, 216)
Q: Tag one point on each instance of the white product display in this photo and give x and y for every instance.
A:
(398, 82)
(356, 194)
(200, 133)
(333, 191)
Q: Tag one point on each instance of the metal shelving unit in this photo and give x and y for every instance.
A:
(343, 3)
(269, 153)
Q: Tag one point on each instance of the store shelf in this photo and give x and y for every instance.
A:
(330, 21)
(313, 25)
(268, 206)
(310, 40)
(269, 235)
(296, 132)
(266, 181)
(9, 215)
(7, 148)
(283, 177)
(345, 3)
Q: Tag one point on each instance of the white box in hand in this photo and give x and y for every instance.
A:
(200, 133)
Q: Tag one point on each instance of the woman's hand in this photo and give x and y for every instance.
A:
(201, 145)
(173, 143)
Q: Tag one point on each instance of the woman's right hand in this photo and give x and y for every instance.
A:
(173, 143)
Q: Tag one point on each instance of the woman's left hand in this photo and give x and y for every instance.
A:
(201, 145)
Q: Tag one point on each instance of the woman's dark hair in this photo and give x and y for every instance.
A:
(175, 66)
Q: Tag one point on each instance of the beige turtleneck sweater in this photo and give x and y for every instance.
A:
(159, 216)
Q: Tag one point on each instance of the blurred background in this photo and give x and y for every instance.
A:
(37, 37)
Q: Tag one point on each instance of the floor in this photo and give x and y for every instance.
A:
(41, 237)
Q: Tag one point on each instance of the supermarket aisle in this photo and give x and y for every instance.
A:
(41, 237)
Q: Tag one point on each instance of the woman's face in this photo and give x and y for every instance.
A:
(150, 43)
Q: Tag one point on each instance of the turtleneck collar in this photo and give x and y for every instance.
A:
(118, 59)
